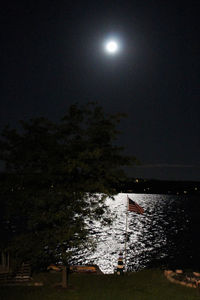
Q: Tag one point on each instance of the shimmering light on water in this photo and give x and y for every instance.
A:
(151, 237)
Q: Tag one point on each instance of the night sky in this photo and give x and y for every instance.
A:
(52, 56)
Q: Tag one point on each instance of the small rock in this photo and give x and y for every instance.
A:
(179, 271)
(38, 284)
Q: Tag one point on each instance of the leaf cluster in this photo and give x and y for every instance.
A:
(53, 174)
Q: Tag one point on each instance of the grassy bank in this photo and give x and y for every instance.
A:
(144, 285)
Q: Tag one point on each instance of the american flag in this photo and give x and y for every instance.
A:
(133, 206)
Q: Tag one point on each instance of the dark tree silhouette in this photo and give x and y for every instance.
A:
(53, 174)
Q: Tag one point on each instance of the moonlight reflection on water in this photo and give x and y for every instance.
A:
(152, 236)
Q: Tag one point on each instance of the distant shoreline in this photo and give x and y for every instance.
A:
(166, 187)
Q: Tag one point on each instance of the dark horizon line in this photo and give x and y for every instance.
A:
(163, 165)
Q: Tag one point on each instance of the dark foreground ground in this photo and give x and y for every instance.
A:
(144, 285)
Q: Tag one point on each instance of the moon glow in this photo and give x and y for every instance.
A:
(111, 47)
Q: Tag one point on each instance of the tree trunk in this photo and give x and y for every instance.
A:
(64, 277)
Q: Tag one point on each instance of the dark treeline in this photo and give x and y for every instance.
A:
(145, 186)
(151, 186)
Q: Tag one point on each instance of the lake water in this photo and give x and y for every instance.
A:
(167, 234)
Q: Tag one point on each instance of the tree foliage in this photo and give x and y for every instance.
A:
(57, 176)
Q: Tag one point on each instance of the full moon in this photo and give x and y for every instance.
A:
(111, 47)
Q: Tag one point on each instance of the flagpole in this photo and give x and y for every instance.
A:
(134, 207)
(125, 250)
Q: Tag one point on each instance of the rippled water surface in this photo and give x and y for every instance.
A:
(166, 234)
